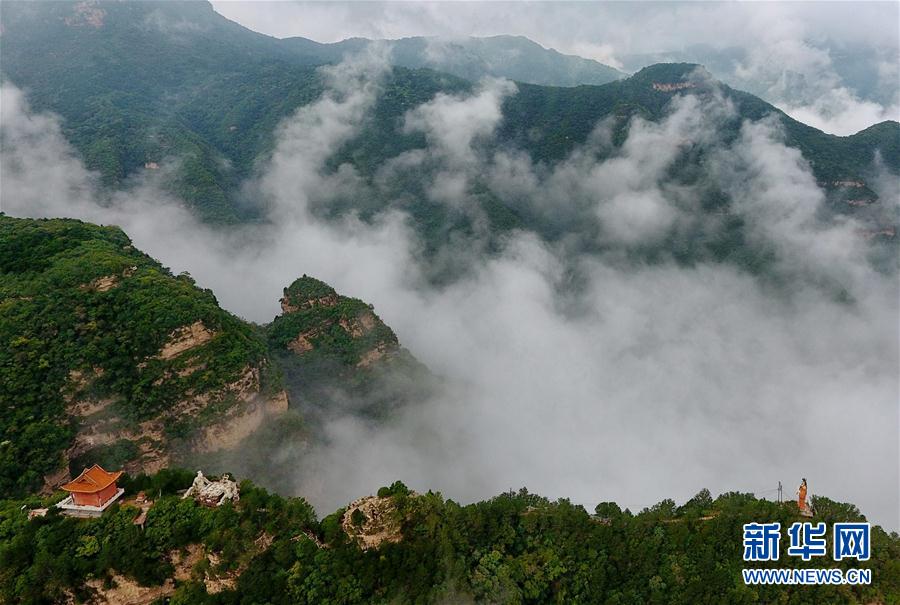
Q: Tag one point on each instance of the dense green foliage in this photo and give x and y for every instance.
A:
(515, 548)
(84, 316)
(175, 80)
(150, 82)
(305, 289)
(348, 356)
(513, 57)
(329, 326)
(83, 313)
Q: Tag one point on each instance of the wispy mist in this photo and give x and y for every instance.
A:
(644, 382)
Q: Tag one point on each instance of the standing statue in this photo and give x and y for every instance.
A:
(802, 505)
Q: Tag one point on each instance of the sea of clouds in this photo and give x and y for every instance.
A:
(646, 381)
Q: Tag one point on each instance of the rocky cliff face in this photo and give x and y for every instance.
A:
(372, 521)
(113, 359)
(214, 420)
(317, 322)
(338, 356)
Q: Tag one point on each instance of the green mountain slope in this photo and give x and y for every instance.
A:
(141, 83)
(119, 73)
(566, 116)
(513, 57)
(402, 547)
(108, 357)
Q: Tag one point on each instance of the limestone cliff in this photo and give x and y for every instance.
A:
(113, 359)
(338, 355)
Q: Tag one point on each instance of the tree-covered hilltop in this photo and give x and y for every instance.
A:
(513, 57)
(336, 353)
(107, 357)
(515, 548)
(316, 321)
(105, 354)
(140, 83)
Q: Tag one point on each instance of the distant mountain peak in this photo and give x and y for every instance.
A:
(673, 72)
(504, 56)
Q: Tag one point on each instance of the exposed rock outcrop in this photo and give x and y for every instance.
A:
(213, 577)
(306, 293)
(184, 339)
(104, 283)
(240, 423)
(302, 344)
(126, 591)
(359, 325)
(373, 521)
(185, 563)
(673, 86)
(100, 427)
(54, 480)
(373, 355)
(289, 307)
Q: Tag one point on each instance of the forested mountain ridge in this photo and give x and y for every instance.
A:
(140, 84)
(513, 57)
(110, 358)
(317, 320)
(515, 548)
(856, 65)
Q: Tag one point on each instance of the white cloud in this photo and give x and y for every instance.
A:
(841, 112)
(452, 124)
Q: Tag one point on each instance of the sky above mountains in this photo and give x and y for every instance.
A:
(804, 57)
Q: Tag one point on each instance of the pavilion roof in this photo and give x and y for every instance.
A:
(92, 480)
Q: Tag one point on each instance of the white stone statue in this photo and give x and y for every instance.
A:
(230, 490)
(199, 484)
(214, 492)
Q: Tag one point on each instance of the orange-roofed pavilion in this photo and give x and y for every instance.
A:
(93, 487)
